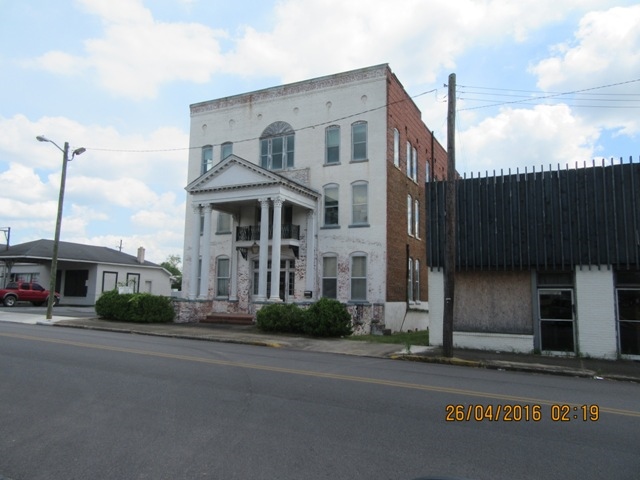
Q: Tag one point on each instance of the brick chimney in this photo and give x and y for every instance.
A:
(140, 255)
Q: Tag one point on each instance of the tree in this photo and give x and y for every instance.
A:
(171, 264)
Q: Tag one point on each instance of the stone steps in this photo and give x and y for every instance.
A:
(228, 318)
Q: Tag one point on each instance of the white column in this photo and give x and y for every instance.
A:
(310, 280)
(206, 253)
(195, 253)
(276, 245)
(264, 249)
(233, 291)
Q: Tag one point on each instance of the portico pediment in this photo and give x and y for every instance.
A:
(237, 174)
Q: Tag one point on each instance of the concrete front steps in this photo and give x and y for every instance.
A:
(223, 318)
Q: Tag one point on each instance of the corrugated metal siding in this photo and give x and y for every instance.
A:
(552, 219)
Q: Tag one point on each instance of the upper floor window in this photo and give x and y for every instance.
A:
(358, 277)
(360, 202)
(226, 149)
(332, 140)
(409, 215)
(224, 223)
(414, 164)
(408, 159)
(331, 205)
(416, 218)
(330, 276)
(207, 159)
(277, 146)
(359, 141)
(396, 147)
(427, 172)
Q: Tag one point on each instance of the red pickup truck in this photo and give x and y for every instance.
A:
(25, 292)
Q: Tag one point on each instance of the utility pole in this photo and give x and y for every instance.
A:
(450, 224)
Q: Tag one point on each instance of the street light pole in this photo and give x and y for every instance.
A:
(56, 238)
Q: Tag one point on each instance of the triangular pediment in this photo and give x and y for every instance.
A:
(232, 173)
(236, 173)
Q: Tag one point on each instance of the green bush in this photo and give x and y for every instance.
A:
(327, 318)
(134, 307)
(281, 317)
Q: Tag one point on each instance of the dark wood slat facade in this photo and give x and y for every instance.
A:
(552, 219)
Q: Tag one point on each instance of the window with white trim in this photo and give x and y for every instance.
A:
(358, 277)
(331, 205)
(332, 140)
(416, 218)
(222, 277)
(277, 145)
(330, 276)
(414, 164)
(223, 223)
(226, 149)
(360, 202)
(207, 159)
(409, 215)
(396, 147)
(359, 141)
(408, 159)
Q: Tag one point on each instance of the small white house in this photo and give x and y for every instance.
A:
(83, 271)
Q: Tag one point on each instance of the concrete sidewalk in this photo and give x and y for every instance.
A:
(625, 370)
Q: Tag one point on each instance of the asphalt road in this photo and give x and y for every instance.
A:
(78, 404)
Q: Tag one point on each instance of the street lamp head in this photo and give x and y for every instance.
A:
(42, 138)
(79, 151)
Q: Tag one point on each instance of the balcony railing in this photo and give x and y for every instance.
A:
(252, 232)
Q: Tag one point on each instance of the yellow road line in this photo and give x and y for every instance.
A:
(309, 373)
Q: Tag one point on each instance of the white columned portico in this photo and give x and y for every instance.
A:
(195, 253)
(264, 250)
(276, 242)
(206, 253)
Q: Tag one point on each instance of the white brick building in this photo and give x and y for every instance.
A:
(298, 176)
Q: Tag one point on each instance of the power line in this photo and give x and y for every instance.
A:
(551, 95)
(329, 122)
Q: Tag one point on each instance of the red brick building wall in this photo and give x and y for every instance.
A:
(403, 115)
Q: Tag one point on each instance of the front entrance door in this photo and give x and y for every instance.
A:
(287, 279)
(557, 329)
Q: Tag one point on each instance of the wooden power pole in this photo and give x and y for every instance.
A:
(450, 224)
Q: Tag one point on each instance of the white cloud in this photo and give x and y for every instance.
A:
(138, 54)
(605, 50)
(518, 138)
(122, 191)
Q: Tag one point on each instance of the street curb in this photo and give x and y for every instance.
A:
(515, 367)
(460, 362)
(257, 343)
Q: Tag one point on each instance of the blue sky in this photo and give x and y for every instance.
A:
(117, 77)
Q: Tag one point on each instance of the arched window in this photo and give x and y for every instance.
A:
(277, 144)
(359, 141)
(360, 203)
(207, 159)
(396, 147)
(332, 139)
(331, 205)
